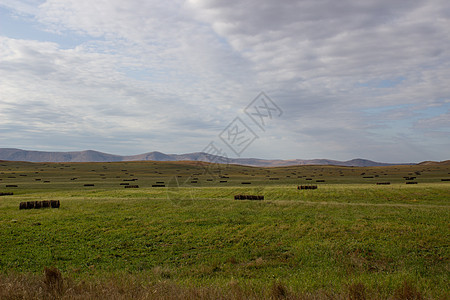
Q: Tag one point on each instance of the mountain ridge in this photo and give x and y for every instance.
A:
(13, 154)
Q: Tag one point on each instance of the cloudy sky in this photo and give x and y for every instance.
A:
(352, 79)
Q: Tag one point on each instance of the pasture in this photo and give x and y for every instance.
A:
(179, 232)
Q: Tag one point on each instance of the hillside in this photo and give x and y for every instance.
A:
(11, 154)
(434, 163)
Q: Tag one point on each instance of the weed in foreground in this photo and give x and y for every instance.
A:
(407, 291)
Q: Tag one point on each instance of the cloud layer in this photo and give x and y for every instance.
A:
(353, 79)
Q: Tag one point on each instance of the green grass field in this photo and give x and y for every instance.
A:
(348, 238)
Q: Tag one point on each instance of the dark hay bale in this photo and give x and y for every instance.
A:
(320, 180)
(45, 203)
(248, 197)
(124, 183)
(37, 204)
(38, 179)
(222, 181)
(89, 184)
(274, 178)
(411, 182)
(30, 204)
(11, 185)
(246, 182)
(445, 179)
(307, 187)
(23, 205)
(6, 194)
(194, 181)
(158, 185)
(131, 186)
(55, 203)
(383, 183)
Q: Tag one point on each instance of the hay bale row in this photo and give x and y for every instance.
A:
(274, 178)
(307, 187)
(89, 184)
(411, 182)
(124, 183)
(134, 179)
(445, 179)
(320, 180)
(383, 183)
(409, 178)
(367, 176)
(6, 194)
(244, 182)
(131, 186)
(11, 185)
(158, 185)
(39, 204)
(248, 197)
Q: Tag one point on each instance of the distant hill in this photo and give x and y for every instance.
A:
(434, 163)
(11, 154)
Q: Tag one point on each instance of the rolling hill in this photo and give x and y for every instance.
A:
(12, 154)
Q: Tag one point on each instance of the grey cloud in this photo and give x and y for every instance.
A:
(166, 75)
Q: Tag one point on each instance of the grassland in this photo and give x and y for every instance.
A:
(349, 238)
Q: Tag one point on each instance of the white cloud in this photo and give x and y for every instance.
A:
(169, 76)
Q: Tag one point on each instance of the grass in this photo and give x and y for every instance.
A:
(349, 239)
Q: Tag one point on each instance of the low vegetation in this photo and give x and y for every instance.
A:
(188, 238)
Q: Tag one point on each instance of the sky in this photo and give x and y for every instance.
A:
(340, 79)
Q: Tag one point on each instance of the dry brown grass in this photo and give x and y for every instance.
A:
(52, 285)
(407, 291)
(357, 291)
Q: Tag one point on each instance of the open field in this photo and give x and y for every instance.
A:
(349, 238)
